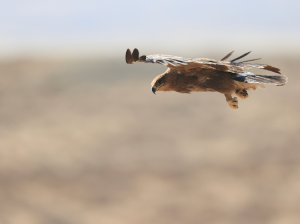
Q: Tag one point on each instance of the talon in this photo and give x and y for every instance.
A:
(232, 102)
(242, 93)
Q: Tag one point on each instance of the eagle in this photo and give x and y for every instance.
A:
(186, 75)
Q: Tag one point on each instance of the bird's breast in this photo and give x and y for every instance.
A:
(186, 84)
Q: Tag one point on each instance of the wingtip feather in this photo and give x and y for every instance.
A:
(142, 58)
(135, 55)
(128, 57)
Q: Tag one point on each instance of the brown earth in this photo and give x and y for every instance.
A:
(86, 141)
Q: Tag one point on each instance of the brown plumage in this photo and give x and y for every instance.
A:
(185, 75)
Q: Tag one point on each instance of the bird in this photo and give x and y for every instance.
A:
(186, 75)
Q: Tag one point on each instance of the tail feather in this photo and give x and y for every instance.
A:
(249, 77)
(272, 69)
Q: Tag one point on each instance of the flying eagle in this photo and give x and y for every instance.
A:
(185, 75)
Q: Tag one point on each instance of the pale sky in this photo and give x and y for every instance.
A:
(98, 27)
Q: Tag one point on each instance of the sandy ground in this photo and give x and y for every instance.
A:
(86, 141)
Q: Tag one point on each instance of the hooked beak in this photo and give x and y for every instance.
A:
(153, 89)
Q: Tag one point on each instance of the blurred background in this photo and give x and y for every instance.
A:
(83, 139)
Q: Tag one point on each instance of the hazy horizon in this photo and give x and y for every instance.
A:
(75, 28)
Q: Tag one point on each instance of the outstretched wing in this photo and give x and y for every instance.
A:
(175, 62)
(180, 63)
(167, 60)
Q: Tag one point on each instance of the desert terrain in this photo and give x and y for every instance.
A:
(85, 141)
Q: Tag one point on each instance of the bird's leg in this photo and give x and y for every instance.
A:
(232, 102)
(242, 93)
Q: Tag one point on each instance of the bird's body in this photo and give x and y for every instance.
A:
(186, 75)
(198, 81)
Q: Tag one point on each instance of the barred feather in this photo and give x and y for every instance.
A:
(249, 77)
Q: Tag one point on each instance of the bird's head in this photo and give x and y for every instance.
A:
(158, 82)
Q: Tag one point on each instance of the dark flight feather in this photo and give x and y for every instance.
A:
(244, 55)
(135, 55)
(128, 57)
(142, 58)
(249, 60)
(227, 56)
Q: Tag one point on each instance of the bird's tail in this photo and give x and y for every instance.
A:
(249, 77)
